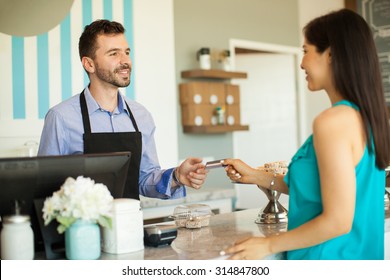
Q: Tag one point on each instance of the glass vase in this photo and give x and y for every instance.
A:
(82, 241)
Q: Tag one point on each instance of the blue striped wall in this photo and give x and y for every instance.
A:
(18, 78)
(33, 103)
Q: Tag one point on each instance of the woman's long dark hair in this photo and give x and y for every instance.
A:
(356, 72)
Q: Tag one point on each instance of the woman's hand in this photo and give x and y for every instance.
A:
(239, 171)
(252, 248)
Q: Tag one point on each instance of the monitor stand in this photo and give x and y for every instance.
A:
(54, 243)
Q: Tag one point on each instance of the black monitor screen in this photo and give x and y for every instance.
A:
(32, 179)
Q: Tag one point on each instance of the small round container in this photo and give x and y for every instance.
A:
(127, 232)
(192, 215)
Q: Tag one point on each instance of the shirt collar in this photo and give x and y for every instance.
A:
(93, 106)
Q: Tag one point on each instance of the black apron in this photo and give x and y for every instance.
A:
(107, 142)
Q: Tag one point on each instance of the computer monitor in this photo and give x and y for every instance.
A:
(30, 180)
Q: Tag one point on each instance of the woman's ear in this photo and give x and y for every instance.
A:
(88, 64)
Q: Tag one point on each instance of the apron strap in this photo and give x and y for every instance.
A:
(84, 112)
(132, 117)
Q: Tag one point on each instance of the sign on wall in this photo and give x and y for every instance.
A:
(377, 15)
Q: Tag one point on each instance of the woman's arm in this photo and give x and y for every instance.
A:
(240, 172)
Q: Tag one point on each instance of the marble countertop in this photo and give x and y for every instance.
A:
(207, 242)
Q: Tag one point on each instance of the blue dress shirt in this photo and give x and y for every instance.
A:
(63, 135)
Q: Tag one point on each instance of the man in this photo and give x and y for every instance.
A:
(100, 119)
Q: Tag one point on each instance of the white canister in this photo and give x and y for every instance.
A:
(126, 234)
(203, 55)
(226, 62)
(17, 238)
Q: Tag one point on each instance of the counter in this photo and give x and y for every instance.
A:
(224, 230)
(207, 242)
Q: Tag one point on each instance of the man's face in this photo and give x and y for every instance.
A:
(112, 60)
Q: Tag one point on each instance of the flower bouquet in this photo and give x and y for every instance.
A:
(79, 199)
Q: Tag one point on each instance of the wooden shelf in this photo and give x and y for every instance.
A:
(214, 128)
(213, 74)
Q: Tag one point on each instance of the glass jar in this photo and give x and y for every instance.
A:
(82, 241)
(203, 56)
(17, 238)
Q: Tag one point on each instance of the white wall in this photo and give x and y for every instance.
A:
(155, 80)
(308, 10)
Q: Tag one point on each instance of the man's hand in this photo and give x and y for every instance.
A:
(191, 173)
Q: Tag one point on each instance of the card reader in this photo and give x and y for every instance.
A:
(160, 234)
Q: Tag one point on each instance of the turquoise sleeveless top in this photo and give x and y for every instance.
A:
(366, 238)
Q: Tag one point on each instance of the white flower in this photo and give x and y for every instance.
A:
(79, 199)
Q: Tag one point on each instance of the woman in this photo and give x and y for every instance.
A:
(336, 179)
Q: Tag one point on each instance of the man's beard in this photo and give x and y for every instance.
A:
(111, 78)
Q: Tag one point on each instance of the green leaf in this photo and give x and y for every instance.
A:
(61, 229)
(64, 222)
(105, 221)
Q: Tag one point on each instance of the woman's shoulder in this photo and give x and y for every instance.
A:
(337, 117)
(342, 121)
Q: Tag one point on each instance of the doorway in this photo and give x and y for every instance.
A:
(272, 104)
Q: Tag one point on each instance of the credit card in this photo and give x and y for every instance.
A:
(214, 164)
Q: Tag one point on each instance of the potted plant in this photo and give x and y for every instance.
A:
(79, 207)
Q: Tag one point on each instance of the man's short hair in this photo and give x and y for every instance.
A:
(87, 42)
